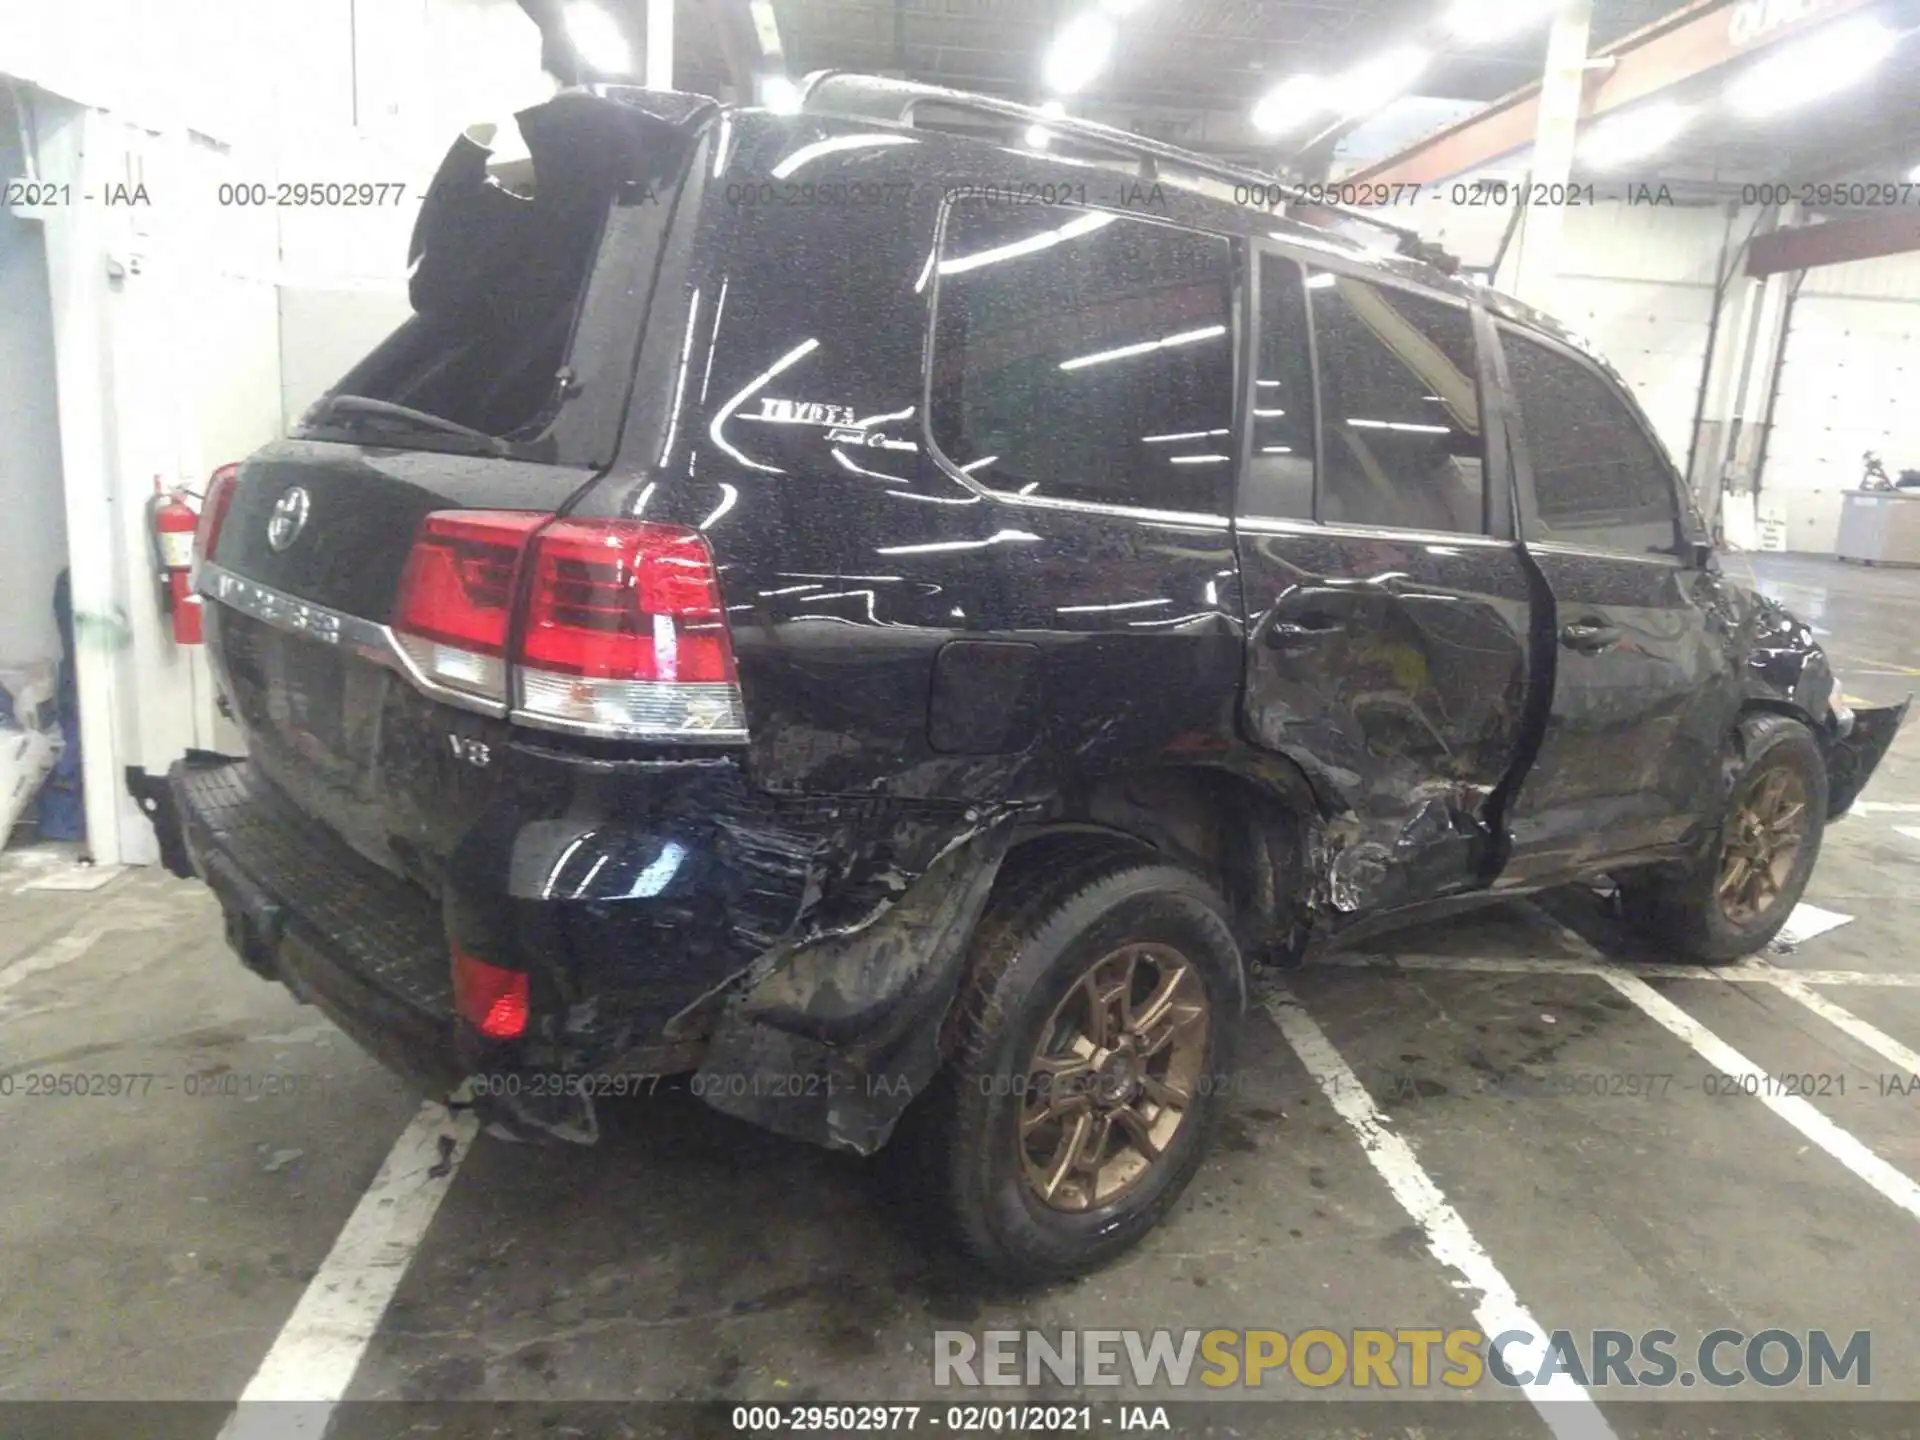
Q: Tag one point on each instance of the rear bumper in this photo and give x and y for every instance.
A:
(644, 939)
(364, 947)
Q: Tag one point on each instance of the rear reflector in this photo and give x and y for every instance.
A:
(492, 999)
(625, 634)
(456, 596)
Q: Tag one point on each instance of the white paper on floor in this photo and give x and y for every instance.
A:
(77, 877)
(1807, 921)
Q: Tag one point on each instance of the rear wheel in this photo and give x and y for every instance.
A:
(1738, 895)
(1101, 1005)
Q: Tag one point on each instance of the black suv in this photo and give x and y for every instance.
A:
(889, 624)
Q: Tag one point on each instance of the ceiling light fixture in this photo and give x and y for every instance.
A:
(1481, 22)
(597, 39)
(1830, 59)
(1635, 133)
(1291, 103)
(1372, 83)
(1079, 51)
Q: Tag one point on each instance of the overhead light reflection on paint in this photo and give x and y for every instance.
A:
(1123, 352)
(728, 495)
(1400, 425)
(785, 362)
(1013, 249)
(655, 878)
(1118, 605)
(999, 537)
(1198, 459)
(806, 154)
(1181, 435)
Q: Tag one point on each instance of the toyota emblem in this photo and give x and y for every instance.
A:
(289, 518)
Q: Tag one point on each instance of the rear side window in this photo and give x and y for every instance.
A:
(1597, 478)
(1399, 408)
(522, 285)
(1084, 356)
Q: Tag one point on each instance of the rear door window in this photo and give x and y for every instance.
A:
(1278, 481)
(1598, 478)
(1400, 429)
(1084, 356)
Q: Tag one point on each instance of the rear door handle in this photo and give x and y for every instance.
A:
(1588, 636)
(1305, 626)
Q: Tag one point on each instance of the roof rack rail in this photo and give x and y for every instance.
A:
(879, 97)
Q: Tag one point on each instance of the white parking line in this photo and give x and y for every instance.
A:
(1797, 1112)
(1871, 1036)
(319, 1348)
(1750, 972)
(1565, 1406)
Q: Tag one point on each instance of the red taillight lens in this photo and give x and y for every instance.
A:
(456, 595)
(213, 511)
(492, 999)
(625, 634)
(625, 600)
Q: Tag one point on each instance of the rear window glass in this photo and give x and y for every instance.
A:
(522, 280)
(1081, 355)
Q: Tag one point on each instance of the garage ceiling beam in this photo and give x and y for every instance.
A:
(1692, 41)
(1801, 247)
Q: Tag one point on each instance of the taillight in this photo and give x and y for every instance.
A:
(625, 634)
(492, 999)
(456, 596)
(213, 511)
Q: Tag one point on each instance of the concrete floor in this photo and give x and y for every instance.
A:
(152, 1246)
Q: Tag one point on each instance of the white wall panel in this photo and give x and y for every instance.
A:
(1848, 383)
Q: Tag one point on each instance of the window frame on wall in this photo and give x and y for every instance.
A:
(1528, 497)
(1234, 311)
(1497, 517)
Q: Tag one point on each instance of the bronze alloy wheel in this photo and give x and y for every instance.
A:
(1114, 1076)
(1765, 829)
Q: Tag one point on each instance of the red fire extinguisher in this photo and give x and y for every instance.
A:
(172, 522)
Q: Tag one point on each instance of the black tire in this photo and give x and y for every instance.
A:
(1062, 905)
(1682, 907)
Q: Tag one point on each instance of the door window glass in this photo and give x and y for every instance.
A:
(1597, 478)
(1278, 483)
(1084, 356)
(1399, 408)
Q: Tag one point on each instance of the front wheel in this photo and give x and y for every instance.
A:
(1099, 1013)
(1738, 895)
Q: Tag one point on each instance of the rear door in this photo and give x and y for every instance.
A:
(1387, 604)
(1642, 692)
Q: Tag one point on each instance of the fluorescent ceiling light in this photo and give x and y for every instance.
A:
(1079, 51)
(779, 94)
(1291, 103)
(1635, 133)
(1372, 83)
(597, 39)
(1482, 21)
(1828, 60)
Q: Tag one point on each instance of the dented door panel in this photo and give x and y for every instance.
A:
(1393, 670)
